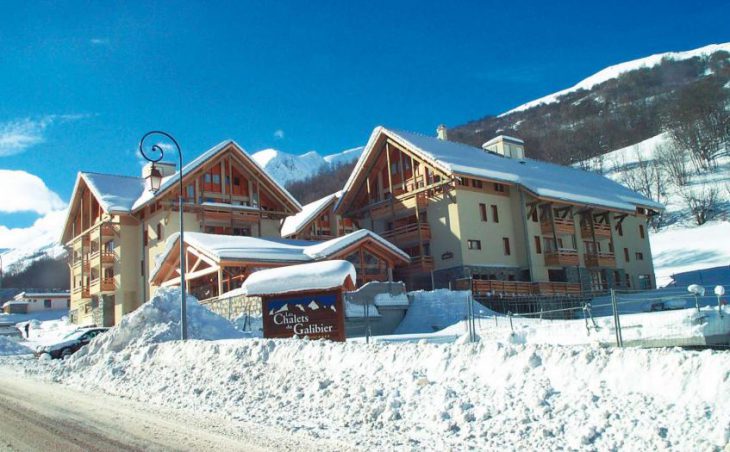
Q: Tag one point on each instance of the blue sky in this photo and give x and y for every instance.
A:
(80, 82)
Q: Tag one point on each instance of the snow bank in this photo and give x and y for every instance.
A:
(435, 310)
(157, 321)
(416, 396)
(10, 347)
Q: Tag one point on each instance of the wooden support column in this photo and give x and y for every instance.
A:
(220, 280)
(223, 177)
(552, 221)
(593, 232)
(390, 180)
(230, 180)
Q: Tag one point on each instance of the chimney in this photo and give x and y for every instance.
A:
(441, 132)
(506, 146)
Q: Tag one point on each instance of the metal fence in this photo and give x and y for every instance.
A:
(621, 318)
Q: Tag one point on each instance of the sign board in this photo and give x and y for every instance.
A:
(318, 315)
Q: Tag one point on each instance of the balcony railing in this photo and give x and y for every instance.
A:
(82, 291)
(563, 226)
(562, 258)
(419, 264)
(102, 285)
(107, 230)
(408, 233)
(107, 257)
(521, 288)
(399, 204)
(600, 260)
(602, 231)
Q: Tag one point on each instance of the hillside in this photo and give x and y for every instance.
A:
(287, 168)
(614, 108)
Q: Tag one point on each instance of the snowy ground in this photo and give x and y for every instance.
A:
(412, 396)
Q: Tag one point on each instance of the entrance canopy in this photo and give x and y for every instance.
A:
(220, 263)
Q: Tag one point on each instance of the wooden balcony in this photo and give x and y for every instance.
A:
(399, 205)
(524, 288)
(107, 230)
(562, 258)
(107, 257)
(602, 231)
(81, 292)
(419, 264)
(408, 233)
(600, 260)
(102, 285)
(563, 226)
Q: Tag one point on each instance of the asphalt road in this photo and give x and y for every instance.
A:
(40, 416)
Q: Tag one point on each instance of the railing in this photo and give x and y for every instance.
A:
(602, 230)
(108, 285)
(107, 230)
(418, 264)
(408, 233)
(107, 257)
(561, 258)
(519, 288)
(600, 259)
(562, 226)
(83, 290)
(402, 203)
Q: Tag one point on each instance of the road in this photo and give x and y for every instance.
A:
(37, 415)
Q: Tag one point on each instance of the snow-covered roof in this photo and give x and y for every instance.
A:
(296, 278)
(116, 194)
(323, 249)
(543, 179)
(294, 224)
(23, 295)
(499, 138)
(269, 250)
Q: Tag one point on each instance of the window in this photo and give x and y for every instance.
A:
(191, 192)
(538, 245)
(483, 211)
(628, 280)
(499, 188)
(47, 304)
(474, 244)
(462, 181)
(641, 231)
(207, 178)
(144, 237)
(236, 181)
(216, 179)
(610, 247)
(476, 183)
(639, 256)
(626, 254)
(495, 214)
(620, 229)
(645, 281)
(394, 168)
(159, 231)
(534, 215)
(507, 251)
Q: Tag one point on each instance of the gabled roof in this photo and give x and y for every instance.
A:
(169, 181)
(127, 194)
(269, 250)
(297, 278)
(540, 178)
(294, 224)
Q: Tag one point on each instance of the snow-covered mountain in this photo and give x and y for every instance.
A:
(286, 168)
(614, 71)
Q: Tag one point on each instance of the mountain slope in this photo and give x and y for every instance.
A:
(287, 168)
(616, 107)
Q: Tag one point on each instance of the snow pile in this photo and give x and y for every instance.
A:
(296, 278)
(435, 310)
(387, 299)
(47, 332)
(415, 396)
(10, 347)
(157, 321)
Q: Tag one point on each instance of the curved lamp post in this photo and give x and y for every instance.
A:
(154, 154)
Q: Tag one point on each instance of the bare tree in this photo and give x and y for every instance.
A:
(673, 161)
(702, 202)
(648, 178)
(700, 122)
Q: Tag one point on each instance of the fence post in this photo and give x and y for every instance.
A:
(367, 321)
(585, 317)
(511, 327)
(616, 326)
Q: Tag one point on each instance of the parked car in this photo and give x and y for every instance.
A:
(70, 344)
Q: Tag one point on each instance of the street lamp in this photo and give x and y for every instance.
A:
(719, 291)
(697, 291)
(153, 181)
